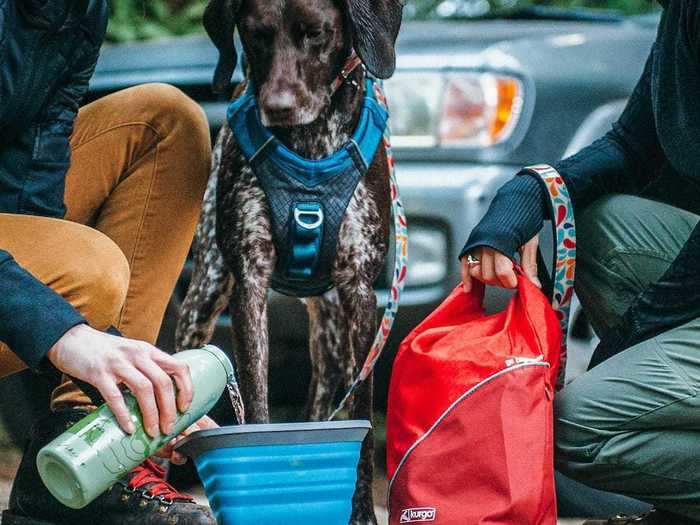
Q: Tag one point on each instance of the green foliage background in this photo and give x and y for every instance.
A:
(144, 19)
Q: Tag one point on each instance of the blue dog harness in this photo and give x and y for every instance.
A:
(308, 199)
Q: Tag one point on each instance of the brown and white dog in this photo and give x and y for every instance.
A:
(295, 50)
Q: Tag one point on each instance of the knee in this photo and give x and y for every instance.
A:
(577, 442)
(619, 222)
(597, 225)
(100, 278)
(606, 230)
(571, 447)
(173, 112)
(183, 129)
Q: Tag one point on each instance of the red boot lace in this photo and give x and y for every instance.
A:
(150, 478)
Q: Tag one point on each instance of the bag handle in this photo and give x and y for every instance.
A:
(564, 253)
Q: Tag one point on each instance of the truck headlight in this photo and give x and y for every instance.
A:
(453, 109)
(427, 255)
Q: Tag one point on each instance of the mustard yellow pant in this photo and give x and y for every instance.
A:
(140, 162)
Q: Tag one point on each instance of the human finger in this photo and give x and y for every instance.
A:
(177, 458)
(164, 391)
(528, 260)
(505, 273)
(114, 398)
(180, 372)
(142, 389)
(488, 268)
(466, 276)
(207, 423)
(167, 450)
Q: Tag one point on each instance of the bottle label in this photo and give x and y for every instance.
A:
(97, 431)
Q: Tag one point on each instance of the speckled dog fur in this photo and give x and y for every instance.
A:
(234, 243)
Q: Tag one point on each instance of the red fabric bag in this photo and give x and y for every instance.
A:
(470, 424)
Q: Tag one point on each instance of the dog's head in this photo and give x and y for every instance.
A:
(296, 48)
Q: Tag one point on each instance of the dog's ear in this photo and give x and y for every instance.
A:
(220, 23)
(376, 25)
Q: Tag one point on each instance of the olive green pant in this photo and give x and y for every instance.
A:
(632, 424)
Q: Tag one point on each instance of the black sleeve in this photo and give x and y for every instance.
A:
(625, 160)
(32, 316)
(670, 302)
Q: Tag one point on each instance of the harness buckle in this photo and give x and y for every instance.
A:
(317, 215)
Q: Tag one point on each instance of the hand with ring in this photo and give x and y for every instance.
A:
(493, 268)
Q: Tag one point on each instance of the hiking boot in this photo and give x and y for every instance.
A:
(142, 497)
(654, 517)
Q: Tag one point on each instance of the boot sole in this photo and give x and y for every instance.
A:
(10, 518)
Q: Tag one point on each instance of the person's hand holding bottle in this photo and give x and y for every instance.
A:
(106, 362)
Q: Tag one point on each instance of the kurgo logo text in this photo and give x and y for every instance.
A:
(417, 515)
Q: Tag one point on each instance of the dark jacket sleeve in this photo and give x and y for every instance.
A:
(32, 316)
(625, 160)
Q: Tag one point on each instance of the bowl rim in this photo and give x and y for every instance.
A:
(253, 435)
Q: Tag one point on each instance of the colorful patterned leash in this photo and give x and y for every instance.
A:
(400, 267)
(564, 263)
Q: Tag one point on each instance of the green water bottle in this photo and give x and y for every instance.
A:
(93, 454)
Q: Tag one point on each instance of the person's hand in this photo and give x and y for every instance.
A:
(493, 268)
(106, 362)
(168, 451)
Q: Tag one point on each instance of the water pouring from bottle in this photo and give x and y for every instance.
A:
(234, 394)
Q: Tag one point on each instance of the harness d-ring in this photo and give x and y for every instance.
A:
(299, 214)
(306, 235)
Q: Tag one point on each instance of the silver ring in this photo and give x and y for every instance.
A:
(472, 261)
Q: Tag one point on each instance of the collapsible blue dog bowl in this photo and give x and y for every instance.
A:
(292, 474)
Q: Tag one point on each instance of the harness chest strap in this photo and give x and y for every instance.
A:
(307, 221)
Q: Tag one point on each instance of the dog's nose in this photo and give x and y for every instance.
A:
(278, 107)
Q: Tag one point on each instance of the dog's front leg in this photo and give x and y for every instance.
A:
(211, 284)
(326, 350)
(245, 240)
(249, 321)
(359, 305)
